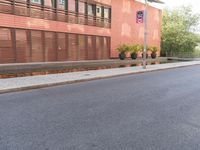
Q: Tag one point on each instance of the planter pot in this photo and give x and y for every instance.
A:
(134, 56)
(153, 55)
(122, 56)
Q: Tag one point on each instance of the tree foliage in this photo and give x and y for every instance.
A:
(178, 30)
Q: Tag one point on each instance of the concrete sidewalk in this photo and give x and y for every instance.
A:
(32, 82)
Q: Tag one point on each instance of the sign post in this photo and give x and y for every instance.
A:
(145, 36)
(141, 17)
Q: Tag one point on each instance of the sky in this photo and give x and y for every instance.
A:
(175, 3)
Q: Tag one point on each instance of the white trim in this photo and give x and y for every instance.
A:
(158, 6)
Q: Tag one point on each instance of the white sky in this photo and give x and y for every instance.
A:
(175, 3)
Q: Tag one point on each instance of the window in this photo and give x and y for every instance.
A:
(99, 16)
(21, 9)
(91, 14)
(6, 6)
(49, 3)
(22, 46)
(48, 12)
(72, 5)
(81, 10)
(107, 17)
(7, 54)
(107, 13)
(36, 1)
(61, 4)
(91, 11)
(36, 10)
(98, 11)
(82, 7)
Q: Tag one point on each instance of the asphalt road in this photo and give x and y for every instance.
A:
(151, 111)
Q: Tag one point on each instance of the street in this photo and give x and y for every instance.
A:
(150, 111)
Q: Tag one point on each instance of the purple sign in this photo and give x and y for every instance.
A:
(140, 16)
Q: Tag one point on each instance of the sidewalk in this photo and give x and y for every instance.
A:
(32, 82)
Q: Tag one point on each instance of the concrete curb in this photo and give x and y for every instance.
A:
(48, 66)
(93, 78)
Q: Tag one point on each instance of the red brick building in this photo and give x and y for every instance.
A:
(70, 30)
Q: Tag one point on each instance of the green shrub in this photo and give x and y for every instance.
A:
(123, 48)
(135, 48)
(153, 49)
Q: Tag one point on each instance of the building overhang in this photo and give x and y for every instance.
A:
(153, 3)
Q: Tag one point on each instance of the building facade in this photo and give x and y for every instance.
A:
(71, 30)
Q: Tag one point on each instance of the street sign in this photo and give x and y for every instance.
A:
(140, 16)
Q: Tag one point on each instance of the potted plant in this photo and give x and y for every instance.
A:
(123, 49)
(134, 49)
(154, 52)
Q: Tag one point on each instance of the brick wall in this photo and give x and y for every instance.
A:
(125, 29)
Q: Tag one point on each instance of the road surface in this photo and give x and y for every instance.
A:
(150, 111)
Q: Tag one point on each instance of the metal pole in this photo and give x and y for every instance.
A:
(145, 36)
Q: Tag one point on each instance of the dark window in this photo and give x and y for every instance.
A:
(106, 48)
(82, 47)
(73, 47)
(62, 46)
(50, 47)
(39, 46)
(37, 51)
(99, 47)
(7, 54)
(22, 46)
(91, 47)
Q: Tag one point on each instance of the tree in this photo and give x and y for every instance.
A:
(178, 30)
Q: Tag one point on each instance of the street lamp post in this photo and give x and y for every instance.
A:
(145, 36)
(145, 29)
